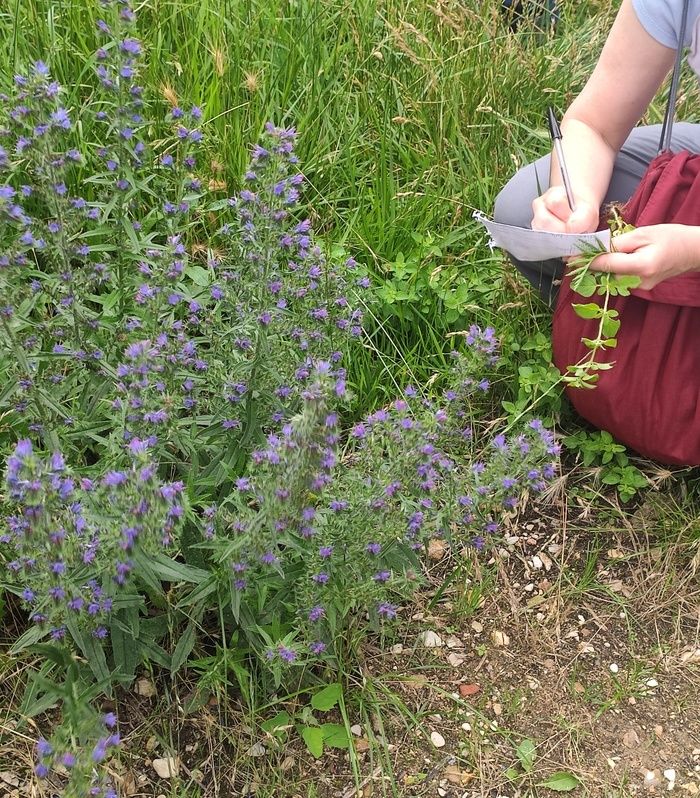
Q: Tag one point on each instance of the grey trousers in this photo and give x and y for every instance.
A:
(514, 203)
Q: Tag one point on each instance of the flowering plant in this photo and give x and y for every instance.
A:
(333, 528)
(160, 391)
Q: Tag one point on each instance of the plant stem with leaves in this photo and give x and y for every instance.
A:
(585, 282)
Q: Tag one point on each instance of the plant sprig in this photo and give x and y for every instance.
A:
(587, 283)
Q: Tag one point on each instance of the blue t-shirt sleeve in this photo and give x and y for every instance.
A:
(661, 19)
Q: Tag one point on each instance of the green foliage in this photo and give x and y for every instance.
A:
(538, 382)
(526, 752)
(408, 119)
(562, 781)
(430, 282)
(599, 449)
(316, 735)
(586, 282)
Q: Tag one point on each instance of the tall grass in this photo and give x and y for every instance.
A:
(411, 114)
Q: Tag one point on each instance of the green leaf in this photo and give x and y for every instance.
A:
(277, 726)
(40, 694)
(154, 652)
(33, 635)
(326, 698)
(201, 592)
(56, 654)
(588, 311)
(562, 781)
(526, 753)
(124, 630)
(622, 283)
(170, 570)
(92, 651)
(313, 737)
(184, 647)
(335, 735)
(198, 275)
(584, 284)
(144, 571)
(610, 327)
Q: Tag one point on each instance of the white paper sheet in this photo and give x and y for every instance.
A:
(525, 244)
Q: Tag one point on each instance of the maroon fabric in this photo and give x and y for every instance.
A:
(650, 399)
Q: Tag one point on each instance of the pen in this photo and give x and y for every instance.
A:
(555, 133)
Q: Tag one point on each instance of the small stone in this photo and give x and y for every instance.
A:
(477, 627)
(690, 655)
(287, 764)
(431, 639)
(546, 561)
(441, 792)
(465, 690)
(361, 745)
(659, 730)
(614, 667)
(537, 563)
(454, 642)
(257, 749)
(670, 775)
(499, 639)
(651, 683)
(467, 727)
(166, 768)
(497, 709)
(455, 775)
(436, 549)
(456, 659)
(356, 730)
(652, 778)
(397, 648)
(630, 738)
(145, 687)
(437, 739)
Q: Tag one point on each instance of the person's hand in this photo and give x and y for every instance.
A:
(551, 212)
(653, 253)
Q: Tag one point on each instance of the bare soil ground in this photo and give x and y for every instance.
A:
(572, 649)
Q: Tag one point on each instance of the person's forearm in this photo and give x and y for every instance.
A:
(589, 160)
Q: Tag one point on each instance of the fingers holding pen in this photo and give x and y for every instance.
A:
(551, 212)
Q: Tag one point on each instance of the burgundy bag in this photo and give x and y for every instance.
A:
(650, 399)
